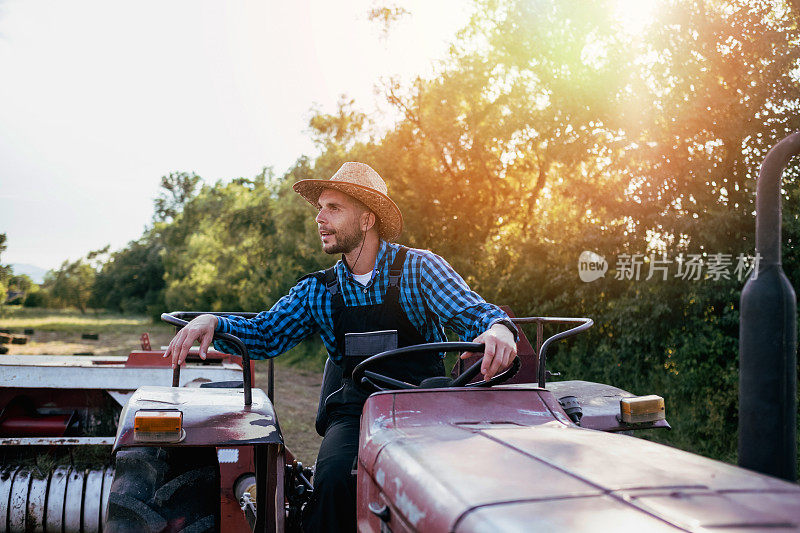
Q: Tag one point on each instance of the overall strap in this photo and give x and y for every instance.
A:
(331, 280)
(392, 297)
(396, 269)
(326, 277)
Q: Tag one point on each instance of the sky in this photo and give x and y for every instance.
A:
(100, 99)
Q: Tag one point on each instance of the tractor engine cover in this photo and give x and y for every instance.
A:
(509, 459)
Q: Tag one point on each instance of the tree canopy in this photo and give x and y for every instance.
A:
(550, 129)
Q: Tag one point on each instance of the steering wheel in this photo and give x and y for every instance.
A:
(367, 380)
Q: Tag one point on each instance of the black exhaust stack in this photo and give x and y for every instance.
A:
(768, 337)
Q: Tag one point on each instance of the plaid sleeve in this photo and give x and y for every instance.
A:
(273, 332)
(459, 308)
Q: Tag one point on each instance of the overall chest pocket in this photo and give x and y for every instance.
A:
(359, 346)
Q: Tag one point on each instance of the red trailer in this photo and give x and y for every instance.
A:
(58, 421)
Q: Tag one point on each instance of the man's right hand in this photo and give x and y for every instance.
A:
(200, 329)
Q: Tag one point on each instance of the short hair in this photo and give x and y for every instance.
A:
(363, 208)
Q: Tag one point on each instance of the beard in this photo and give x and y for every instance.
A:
(347, 240)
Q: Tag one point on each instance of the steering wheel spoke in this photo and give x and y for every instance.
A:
(396, 383)
(368, 382)
(499, 378)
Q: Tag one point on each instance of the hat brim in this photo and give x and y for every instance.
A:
(389, 217)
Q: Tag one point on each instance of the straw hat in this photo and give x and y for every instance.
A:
(365, 185)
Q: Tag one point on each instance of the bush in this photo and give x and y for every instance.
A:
(36, 298)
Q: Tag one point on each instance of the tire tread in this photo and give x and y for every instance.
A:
(162, 490)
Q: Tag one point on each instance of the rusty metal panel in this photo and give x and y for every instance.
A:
(773, 503)
(521, 405)
(692, 509)
(233, 464)
(211, 417)
(423, 451)
(576, 515)
(106, 372)
(376, 417)
(368, 493)
(618, 462)
(435, 474)
(59, 441)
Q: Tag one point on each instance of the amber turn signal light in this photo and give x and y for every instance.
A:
(638, 409)
(158, 425)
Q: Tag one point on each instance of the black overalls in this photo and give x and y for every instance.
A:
(332, 507)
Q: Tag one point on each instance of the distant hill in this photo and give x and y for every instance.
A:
(34, 272)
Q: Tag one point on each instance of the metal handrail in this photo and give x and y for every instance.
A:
(173, 318)
(541, 346)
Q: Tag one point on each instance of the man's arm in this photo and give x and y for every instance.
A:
(464, 311)
(266, 335)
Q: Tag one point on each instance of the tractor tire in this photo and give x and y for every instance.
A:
(160, 490)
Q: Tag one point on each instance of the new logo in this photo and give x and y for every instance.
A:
(591, 266)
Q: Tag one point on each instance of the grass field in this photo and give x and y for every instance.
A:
(58, 332)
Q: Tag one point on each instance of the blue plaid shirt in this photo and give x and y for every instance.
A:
(428, 283)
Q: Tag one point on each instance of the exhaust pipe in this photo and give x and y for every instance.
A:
(768, 336)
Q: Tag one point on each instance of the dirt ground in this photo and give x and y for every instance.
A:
(296, 396)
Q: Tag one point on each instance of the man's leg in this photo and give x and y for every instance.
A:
(333, 506)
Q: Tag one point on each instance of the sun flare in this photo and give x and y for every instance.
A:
(635, 15)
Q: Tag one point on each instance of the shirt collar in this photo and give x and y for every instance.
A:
(380, 257)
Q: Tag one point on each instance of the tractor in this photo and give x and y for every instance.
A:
(514, 453)
(519, 452)
(453, 454)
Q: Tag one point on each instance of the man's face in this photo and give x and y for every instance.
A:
(338, 221)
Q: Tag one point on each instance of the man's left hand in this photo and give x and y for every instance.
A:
(499, 352)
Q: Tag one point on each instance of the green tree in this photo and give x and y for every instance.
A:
(552, 129)
(19, 285)
(132, 281)
(177, 188)
(36, 297)
(5, 271)
(71, 284)
(238, 245)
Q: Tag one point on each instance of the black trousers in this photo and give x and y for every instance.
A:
(333, 505)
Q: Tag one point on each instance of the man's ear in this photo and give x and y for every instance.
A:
(368, 221)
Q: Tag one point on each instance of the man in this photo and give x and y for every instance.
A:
(377, 286)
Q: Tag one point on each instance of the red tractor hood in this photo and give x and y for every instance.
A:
(510, 460)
